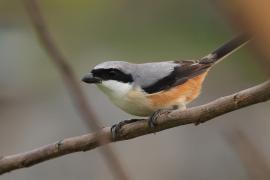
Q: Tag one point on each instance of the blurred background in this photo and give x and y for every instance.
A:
(35, 108)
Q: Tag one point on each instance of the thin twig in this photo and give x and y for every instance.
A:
(253, 160)
(199, 114)
(70, 80)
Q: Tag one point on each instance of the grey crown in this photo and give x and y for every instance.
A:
(144, 74)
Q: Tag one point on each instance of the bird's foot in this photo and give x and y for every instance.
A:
(115, 129)
(198, 122)
(152, 121)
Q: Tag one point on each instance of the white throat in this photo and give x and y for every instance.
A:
(115, 89)
(127, 97)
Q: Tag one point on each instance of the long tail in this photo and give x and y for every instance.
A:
(225, 50)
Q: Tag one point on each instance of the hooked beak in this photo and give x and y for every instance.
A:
(90, 79)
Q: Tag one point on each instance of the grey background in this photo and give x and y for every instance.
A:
(35, 108)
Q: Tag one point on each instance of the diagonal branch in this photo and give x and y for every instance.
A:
(199, 114)
(70, 80)
(253, 159)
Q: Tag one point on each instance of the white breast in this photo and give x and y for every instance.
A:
(129, 98)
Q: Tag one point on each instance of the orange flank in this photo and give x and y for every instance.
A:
(183, 93)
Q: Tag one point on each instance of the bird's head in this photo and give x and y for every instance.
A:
(111, 76)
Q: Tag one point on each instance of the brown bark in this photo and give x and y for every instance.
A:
(199, 114)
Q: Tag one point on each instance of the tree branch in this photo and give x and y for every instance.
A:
(199, 114)
(73, 87)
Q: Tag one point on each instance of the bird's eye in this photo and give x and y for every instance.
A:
(112, 73)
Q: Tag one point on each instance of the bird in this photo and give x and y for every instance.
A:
(149, 89)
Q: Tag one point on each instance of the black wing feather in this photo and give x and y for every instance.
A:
(180, 74)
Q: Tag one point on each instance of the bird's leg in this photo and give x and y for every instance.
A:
(115, 129)
(152, 121)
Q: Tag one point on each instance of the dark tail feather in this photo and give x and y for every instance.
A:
(225, 50)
